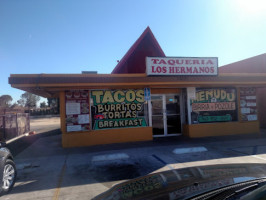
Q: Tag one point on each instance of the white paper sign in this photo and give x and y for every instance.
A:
(250, 97)
(84, 119)
(72, 108)
(191, 92)
(252, 117)
(74, 128)
(251, 104)
(245, 110)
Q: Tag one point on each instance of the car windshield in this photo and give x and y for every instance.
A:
(116, 99)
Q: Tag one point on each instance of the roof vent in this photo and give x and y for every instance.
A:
(89, 72)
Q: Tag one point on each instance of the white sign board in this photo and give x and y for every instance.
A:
(245, 110)
(252, 117)
(72, 108)
(191, 92)
(250, 97)
(83, 119)
(73, 128)
(204, 66)
(251, 104)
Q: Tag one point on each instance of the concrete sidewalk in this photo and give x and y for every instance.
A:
(22, 143)
(47, 171)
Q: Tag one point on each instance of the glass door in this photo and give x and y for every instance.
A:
(165, 114)
(157, 115)
(173, 114)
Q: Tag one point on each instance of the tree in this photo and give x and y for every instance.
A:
(29, 100)
(21, 102)
(5, 100)
(43, 104)
(14, 105)
(53, 103)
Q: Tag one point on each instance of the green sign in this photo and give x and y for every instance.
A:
(117, 109)
(214, 105)
(120, 123)
(224, 118)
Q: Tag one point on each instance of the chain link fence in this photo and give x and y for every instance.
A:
(14, 125)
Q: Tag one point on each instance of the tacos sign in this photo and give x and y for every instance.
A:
(117, 109)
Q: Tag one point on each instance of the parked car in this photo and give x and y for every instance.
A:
(224, 181)
(8, 171)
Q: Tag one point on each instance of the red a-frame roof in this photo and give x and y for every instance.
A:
(134, 60)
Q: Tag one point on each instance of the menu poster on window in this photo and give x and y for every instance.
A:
(248, 104)
(213, 105)
(77, 110)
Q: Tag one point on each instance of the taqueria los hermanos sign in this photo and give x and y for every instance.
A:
(117, 109)
(181, 66)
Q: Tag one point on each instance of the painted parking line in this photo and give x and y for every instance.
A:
(60, 181)
(189, 150)
(116, 156)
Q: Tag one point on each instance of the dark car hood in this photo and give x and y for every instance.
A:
(184, 183)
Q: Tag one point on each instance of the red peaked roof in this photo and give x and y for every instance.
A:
(134, 60)
(256, 64)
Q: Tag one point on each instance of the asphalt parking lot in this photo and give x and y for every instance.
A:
(40, 125)
(47, 171)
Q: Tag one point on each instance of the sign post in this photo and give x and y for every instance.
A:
(147, 94)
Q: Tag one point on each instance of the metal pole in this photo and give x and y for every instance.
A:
(4, 128)
(17, 124)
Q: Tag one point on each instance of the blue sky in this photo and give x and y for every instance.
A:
(69, 36)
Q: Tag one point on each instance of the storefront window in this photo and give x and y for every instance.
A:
(118, 109)
(248, 105)
(214, 105)
(77, 110)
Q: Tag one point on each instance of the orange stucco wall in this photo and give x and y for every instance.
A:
(107, 136)
(219, 129)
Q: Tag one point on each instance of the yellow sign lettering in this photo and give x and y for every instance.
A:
(97, 95)
(119, 96)
(130, 96)
(107, 97)
(140, 96)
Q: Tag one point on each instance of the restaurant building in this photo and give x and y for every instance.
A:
(150, 95)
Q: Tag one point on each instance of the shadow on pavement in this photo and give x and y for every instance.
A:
(20, 144)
